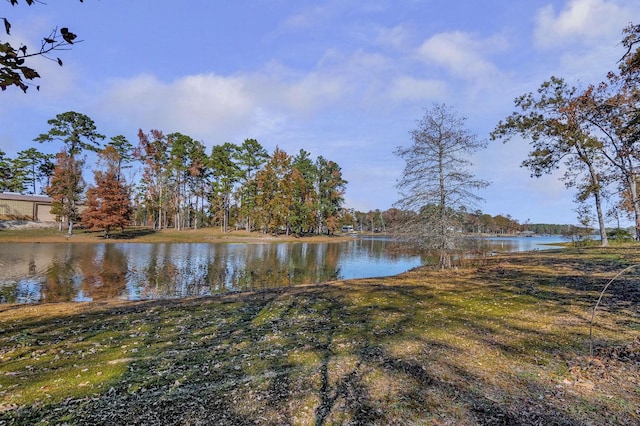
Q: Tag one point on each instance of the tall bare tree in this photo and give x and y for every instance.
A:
(436, 181)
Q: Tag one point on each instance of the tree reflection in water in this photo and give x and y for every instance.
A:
(81, 272)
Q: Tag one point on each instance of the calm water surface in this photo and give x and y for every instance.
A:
(82, 272)
(511, 244)
(31, 273)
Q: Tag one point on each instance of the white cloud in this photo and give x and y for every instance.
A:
(463, 55)
(413, 89)
(583, 38)
(216, 107)
(584, 21)
(199, 105)
(308, 18)
(312, 92)
(396, 37)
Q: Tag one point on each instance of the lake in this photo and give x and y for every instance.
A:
(513, 244)
(50, 272)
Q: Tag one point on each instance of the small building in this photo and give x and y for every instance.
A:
(26, 207)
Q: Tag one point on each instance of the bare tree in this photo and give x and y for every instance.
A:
(436, 182)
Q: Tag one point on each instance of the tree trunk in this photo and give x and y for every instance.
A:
(445, 259)
(195, 216)
(225, 214)
(604, 241)
(633, 188)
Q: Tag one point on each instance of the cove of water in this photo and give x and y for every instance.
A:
(48, 272)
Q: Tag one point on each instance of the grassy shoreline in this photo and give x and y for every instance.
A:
(51, 234)
(148, 235)
(504, 341)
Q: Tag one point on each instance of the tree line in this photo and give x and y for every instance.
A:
(475, 222)
(183, 186)
(180, 184)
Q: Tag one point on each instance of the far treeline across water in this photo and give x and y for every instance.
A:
(475, 222)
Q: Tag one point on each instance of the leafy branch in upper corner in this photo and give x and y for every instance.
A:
(13, 68)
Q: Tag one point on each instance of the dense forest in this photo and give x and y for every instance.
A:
(170, 181)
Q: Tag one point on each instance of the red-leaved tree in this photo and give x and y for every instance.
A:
(108, 202)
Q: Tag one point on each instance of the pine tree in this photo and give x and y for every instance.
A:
(275, 192)
(330, 190)
(301, 216)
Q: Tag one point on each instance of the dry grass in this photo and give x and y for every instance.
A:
(503, 342)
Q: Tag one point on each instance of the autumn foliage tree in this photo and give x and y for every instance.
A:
(612, 112)
(66, 188)
(275, 192)
(554, 123)
(77, 132)
(108, 202)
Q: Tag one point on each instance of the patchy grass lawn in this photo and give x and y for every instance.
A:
(505, 341)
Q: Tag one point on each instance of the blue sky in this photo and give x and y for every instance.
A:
(343, 79)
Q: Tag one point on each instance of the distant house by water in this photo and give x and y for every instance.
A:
(26, 207)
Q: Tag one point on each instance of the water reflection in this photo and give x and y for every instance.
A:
(83, 272)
